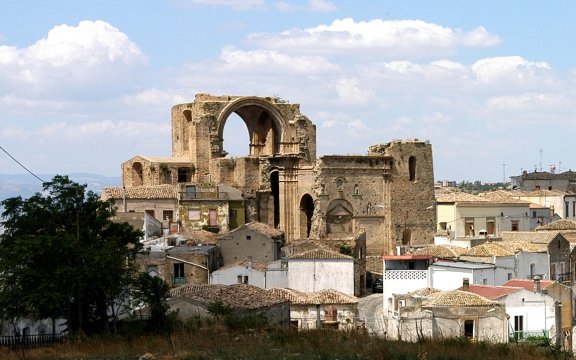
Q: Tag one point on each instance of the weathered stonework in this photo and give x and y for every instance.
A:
(386, 192)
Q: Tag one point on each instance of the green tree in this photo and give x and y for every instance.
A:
(61, 256)
(153, 292)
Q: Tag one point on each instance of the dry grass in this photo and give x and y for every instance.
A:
(219, 343)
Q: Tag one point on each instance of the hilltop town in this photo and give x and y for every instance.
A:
(308, 241)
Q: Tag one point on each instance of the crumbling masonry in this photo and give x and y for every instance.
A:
(389, 192)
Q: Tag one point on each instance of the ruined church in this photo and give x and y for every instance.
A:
(387, 193)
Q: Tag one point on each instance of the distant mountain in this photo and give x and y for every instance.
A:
(26, 185)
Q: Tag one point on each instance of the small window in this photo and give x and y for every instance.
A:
(246, 279)
(194, 214)
(412, 168)
(484, 281)
(168, 215)
(239, 279)
(515, 225)
(469, 329)
(212, 218)
(248, 237)
(509, 276)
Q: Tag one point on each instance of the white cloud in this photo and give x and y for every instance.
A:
(71, 60)
(350, 91)
(511, 69)
(386, 38)
(234, 4)
(267, 61)
(313, 5)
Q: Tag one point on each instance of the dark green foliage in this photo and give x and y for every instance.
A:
(153, 293)
(62, 257)
(478, 187)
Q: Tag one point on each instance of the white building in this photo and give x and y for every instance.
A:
(403, 274)
(263, 275)
(449, 275)
(319, 269)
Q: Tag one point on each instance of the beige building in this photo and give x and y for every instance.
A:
(387, 192)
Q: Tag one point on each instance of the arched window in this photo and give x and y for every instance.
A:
(412, 168)
(137, 177)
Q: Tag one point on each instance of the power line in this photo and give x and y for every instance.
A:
(24, 167)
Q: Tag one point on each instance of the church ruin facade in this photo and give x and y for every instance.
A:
(388, 193)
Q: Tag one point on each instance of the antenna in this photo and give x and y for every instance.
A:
(541, 159)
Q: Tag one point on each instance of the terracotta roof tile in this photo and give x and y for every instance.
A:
(325, 296)
(244, 263)
(424, 292)
(562, 224)
(491, 292)
(535, 237)
(441, 251)
(527, 283)
(237, 296)
(457, 298)
(459, 197)
(489, 250)
(142, 192)
(320, 254)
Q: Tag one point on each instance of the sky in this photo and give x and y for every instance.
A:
(87, 85)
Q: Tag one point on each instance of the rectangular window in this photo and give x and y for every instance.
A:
(515, 225)
(233, 214)
(532, 270)
(490, 226)
(573, 208)
(566, 214)
(469, 227)
(191, 192)
(239, 280)
(509, 276)
(469, 329)
(194, 214)
(518, 326)
(168, 215)
(484, 281)
(248, 237)
(178, 273)
(245, 279)
(212, 219)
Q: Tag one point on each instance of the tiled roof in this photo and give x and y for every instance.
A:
(535, 237)
(503, 197)
(142, 192)
(457, 298)
(244, 263)
(199, 236)
(320, 254)
(424, 292)
(491, 292)
(325, 296)
(527, 284)
(374, 264)
(489, 250)
(441, 251)
(189, 289)
(237, 296)
(264, 228)
(459, 197)
(562, 224)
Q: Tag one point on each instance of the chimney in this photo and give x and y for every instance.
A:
(465, 284)
(537, 286)
(249, 260)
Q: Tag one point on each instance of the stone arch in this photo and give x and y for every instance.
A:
(339, 217)
(137, 174)
(266, 125)
(306, 211)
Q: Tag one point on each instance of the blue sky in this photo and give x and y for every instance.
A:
(86, 85)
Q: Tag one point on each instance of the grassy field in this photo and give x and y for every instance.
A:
(221, 343)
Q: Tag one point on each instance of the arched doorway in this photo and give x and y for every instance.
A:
(306, 211)
(137, 174)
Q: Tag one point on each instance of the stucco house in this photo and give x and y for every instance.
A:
(318, 269)
(257, 240)
(531, 311)
(470, 217)
(191, 301)
(264, 275)
(449, 275)
(432, 314)
(325, 308)
(404, 273)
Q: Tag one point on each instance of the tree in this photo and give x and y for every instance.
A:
(61, 256)
(153, 292)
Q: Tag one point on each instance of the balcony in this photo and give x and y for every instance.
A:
(203, 195)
